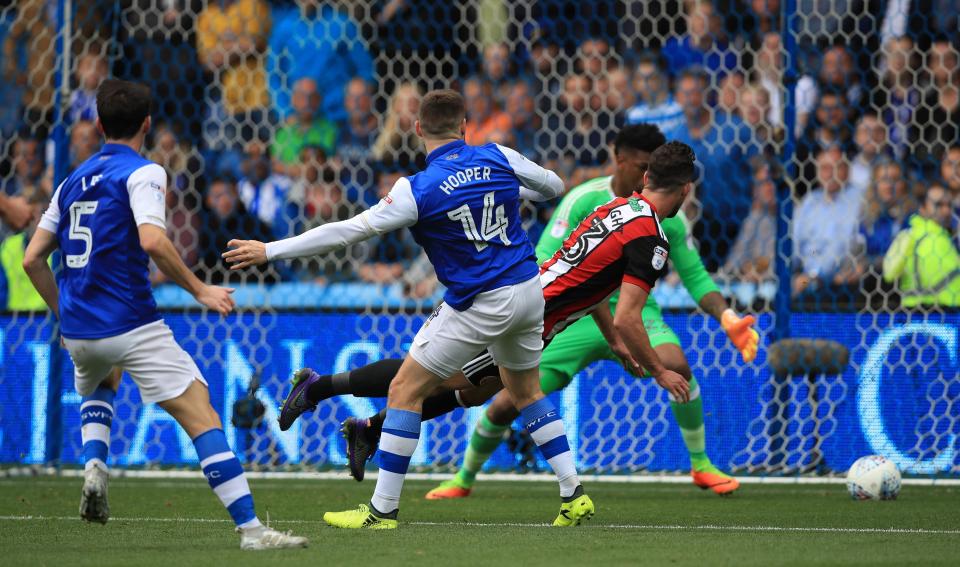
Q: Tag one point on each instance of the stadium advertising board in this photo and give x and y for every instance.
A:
(893, 400)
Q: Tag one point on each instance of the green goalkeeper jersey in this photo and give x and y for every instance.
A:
(583, 199)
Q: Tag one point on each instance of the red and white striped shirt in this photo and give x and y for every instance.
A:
(621, 241)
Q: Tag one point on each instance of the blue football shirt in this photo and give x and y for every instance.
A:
(463, 209)
(105, 280)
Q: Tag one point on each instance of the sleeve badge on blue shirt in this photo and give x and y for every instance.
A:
(158, 191)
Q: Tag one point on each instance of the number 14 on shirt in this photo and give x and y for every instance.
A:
(493, 222)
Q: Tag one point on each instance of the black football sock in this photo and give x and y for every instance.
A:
(437, 405)
(370, 381)
(434, 406)
(373, 380)
(375, 423)
(321, 389)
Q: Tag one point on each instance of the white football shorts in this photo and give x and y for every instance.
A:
(158, 365)
(508, 321)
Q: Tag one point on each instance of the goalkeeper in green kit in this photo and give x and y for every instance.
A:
(570, 351)
(583, 343)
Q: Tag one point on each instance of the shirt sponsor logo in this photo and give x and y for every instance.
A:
(659, 259)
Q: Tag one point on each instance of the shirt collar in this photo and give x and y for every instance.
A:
(117, 149)
(445, 149)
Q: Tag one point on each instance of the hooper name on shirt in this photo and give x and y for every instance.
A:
(464, 176)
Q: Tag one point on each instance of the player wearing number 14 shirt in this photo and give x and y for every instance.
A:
(464, 210)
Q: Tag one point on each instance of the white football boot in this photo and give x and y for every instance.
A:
(93, 499)
(258, 539)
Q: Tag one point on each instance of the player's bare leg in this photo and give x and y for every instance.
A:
(401, 433)
(689, 417)
(96, 415)
(193, 412)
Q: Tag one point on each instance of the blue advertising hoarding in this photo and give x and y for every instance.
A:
(895, 399)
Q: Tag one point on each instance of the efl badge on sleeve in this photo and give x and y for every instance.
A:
(659, 258)
(559, 228)
(159, 193)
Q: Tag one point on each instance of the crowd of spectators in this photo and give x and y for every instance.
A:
(275, 117)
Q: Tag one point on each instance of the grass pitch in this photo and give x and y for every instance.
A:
(180, 523)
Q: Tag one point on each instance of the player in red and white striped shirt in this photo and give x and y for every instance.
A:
(620, 246)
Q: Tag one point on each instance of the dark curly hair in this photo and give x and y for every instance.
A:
(640, 137)
(672, 166)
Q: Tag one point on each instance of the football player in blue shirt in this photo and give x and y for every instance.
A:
(464, 210)
(108, 219)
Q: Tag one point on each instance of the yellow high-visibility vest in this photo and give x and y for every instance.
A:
(925, 261)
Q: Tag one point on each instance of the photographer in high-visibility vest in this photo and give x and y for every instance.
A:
(923, 259)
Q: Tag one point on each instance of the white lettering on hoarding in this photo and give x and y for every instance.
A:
(869, 404)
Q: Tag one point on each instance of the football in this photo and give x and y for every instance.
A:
(873, 478)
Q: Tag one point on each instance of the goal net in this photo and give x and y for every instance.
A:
(819, 134)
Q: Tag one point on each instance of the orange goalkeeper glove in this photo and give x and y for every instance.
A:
(741, 333)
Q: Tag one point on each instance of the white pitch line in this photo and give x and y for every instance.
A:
(638, 478)
(643, 527)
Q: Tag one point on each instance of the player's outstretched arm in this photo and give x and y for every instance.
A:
(628, 322)
(395, 211)
(35, 264)
(604, 320)
(154, 241)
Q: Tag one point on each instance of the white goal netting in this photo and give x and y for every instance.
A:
(819, 137)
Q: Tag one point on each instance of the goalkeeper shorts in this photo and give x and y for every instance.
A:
(582, 343)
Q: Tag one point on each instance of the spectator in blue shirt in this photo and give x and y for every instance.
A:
(92, 69)
(317, 42)
(831, 127)
(522, 108)
(837, 72)
(825, 225)
(263, 192)
(886, 209)
(84, 141)
(652, 87)
(704, 45)
(724, 145)
(497, 67)
(358, 131)
(357, 134)
(900, 96)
